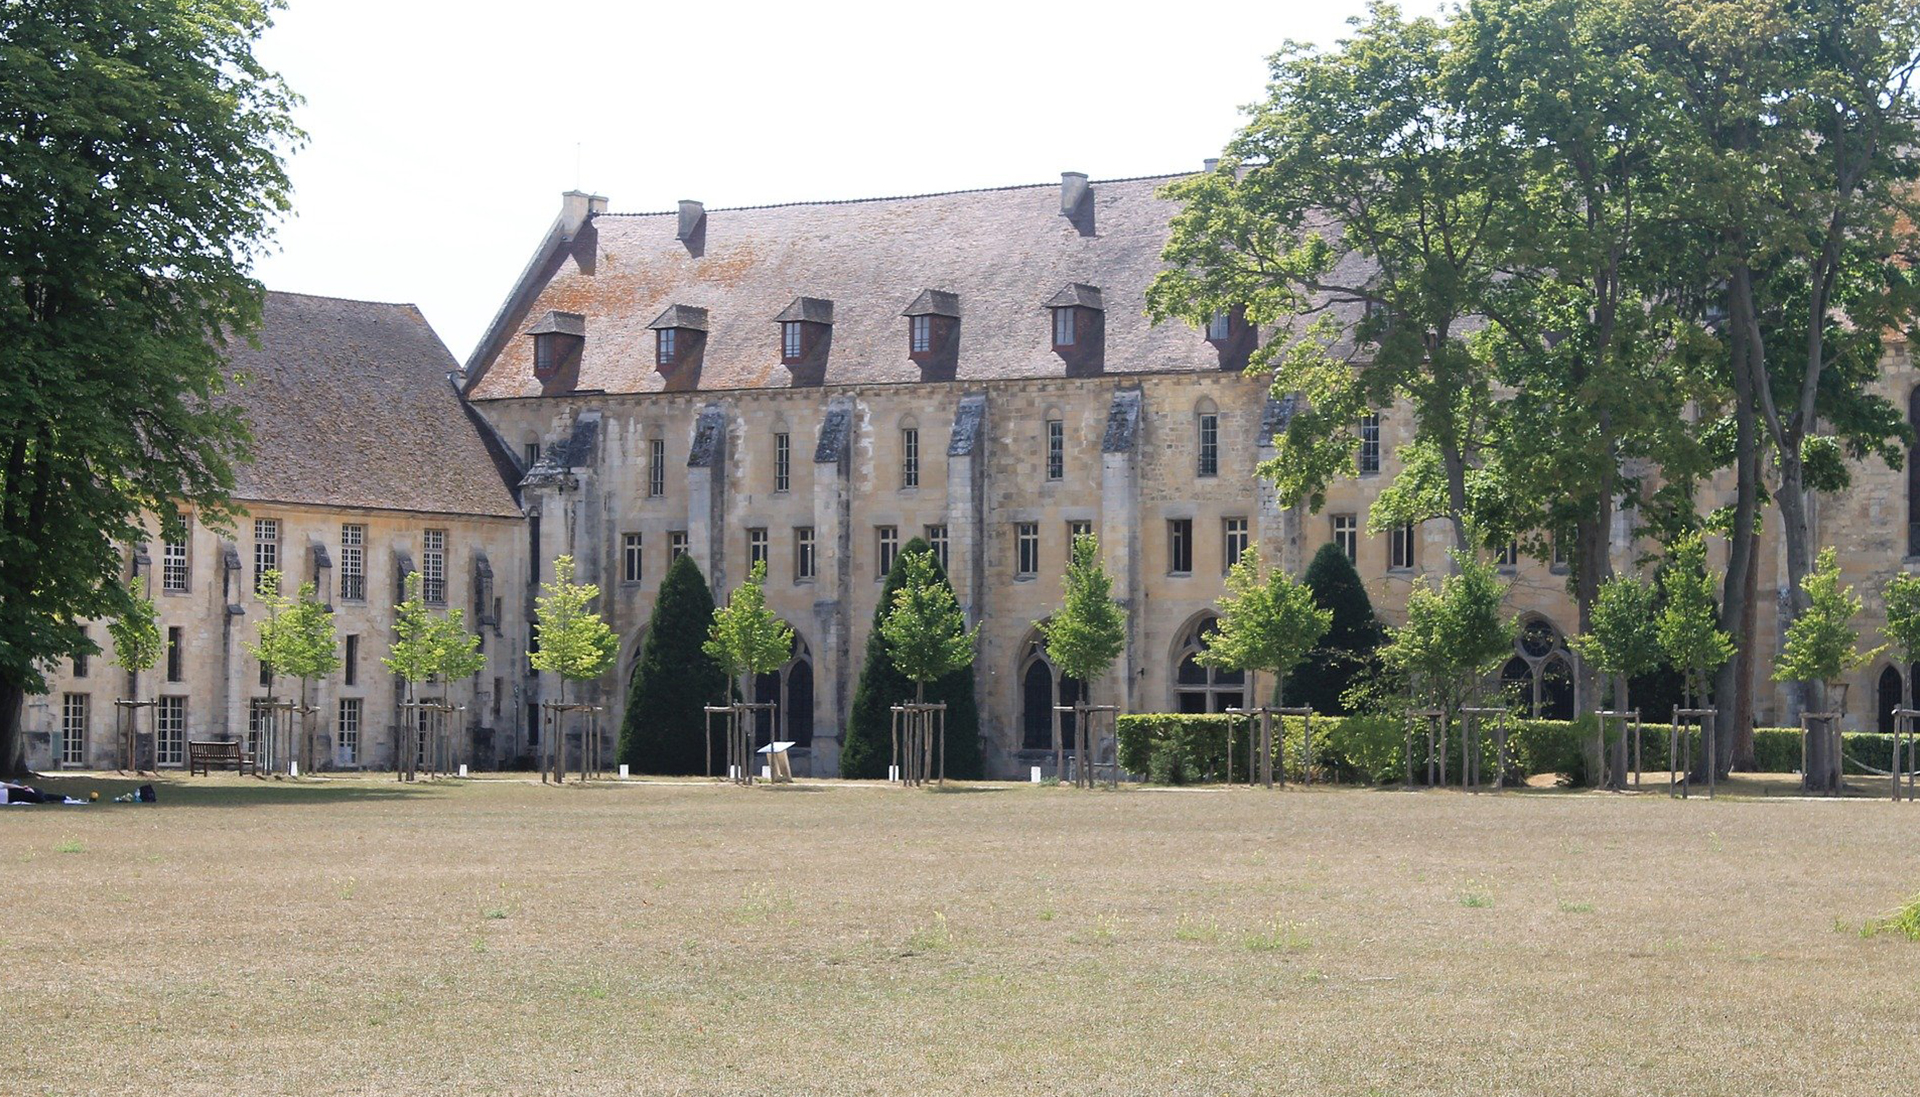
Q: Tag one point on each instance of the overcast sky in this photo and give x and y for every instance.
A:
(442, 133)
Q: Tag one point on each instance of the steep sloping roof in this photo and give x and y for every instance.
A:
(1004, 253)
(351, 407)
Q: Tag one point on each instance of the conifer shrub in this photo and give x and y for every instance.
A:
(868, 747)
(1347, 650)
(665, 726)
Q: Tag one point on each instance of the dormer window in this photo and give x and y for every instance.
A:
(557, 341)
(933, 333)
(1063, 325)
(1079, 328)
(679, 333)
(806, 334)
(1220, 327)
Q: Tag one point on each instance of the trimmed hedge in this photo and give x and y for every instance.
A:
(1186, 748)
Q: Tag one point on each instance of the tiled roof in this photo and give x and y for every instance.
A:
(350, 407)
(1003, 254)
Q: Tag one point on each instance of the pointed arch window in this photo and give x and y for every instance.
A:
(1198, 688)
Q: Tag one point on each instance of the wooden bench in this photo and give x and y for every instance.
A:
(206, 755)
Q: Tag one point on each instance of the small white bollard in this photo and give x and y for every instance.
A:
(766, 773)
(1036, 775)
(463, 769)
(733, 773)
(623, 771)
(293, 769)
(893, 773)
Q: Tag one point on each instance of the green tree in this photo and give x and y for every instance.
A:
(143, 172)
(1089, 630)
(1623, 641)
(574, 642)
(1823, 646)
(1454, 636)
(1347, 650)
(664, 730)
(868, 744)
(415, 653)
(1688, 625)
(1795, 220)
(136, 631)
(925, 631)
(746, 638)
(1902, 629)
(1266, 625)
(297, 639)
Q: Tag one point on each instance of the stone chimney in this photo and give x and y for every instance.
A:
(576, 207)
(1076, 201)
(692, 213)
(1073, 191)
(1210, 165)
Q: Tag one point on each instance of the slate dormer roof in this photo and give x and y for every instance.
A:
(934, 302)
(1004, 252)
(1077, 295)
(682, 317)
(809, 310)
(351, 406)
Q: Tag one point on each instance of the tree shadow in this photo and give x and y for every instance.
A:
(174, 790)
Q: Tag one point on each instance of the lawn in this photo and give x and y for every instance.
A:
(495, 936)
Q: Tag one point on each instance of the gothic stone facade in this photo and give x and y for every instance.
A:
(815, 384)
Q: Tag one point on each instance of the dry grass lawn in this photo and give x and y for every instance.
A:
(498, 937)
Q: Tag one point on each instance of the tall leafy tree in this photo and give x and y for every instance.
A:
(1823, 645)
(1347, 649)
(664, 730)
(1360, 215)
(1800, 162)
(1265, 625)
(142, 178)
(867, 746)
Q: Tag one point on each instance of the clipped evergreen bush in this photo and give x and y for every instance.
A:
(868, 748)
(665, 727)
(1346, 651)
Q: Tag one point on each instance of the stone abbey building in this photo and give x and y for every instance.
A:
(811, 385)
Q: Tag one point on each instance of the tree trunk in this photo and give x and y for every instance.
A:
(13, 738)
(1733, 688)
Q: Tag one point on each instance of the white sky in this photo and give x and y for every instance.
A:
(442, 133)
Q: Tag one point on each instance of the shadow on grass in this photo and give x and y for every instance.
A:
(178, 791)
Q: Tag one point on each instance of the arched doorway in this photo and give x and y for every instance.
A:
(1889, 699)
(790, 691)
(1198, 688)
(1556, 688)
(1039, 688)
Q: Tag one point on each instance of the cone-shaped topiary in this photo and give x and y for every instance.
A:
(665, 729)
(1347, 649)
(868, 748)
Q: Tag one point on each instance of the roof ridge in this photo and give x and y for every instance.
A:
(345, 300)
(890, 197)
